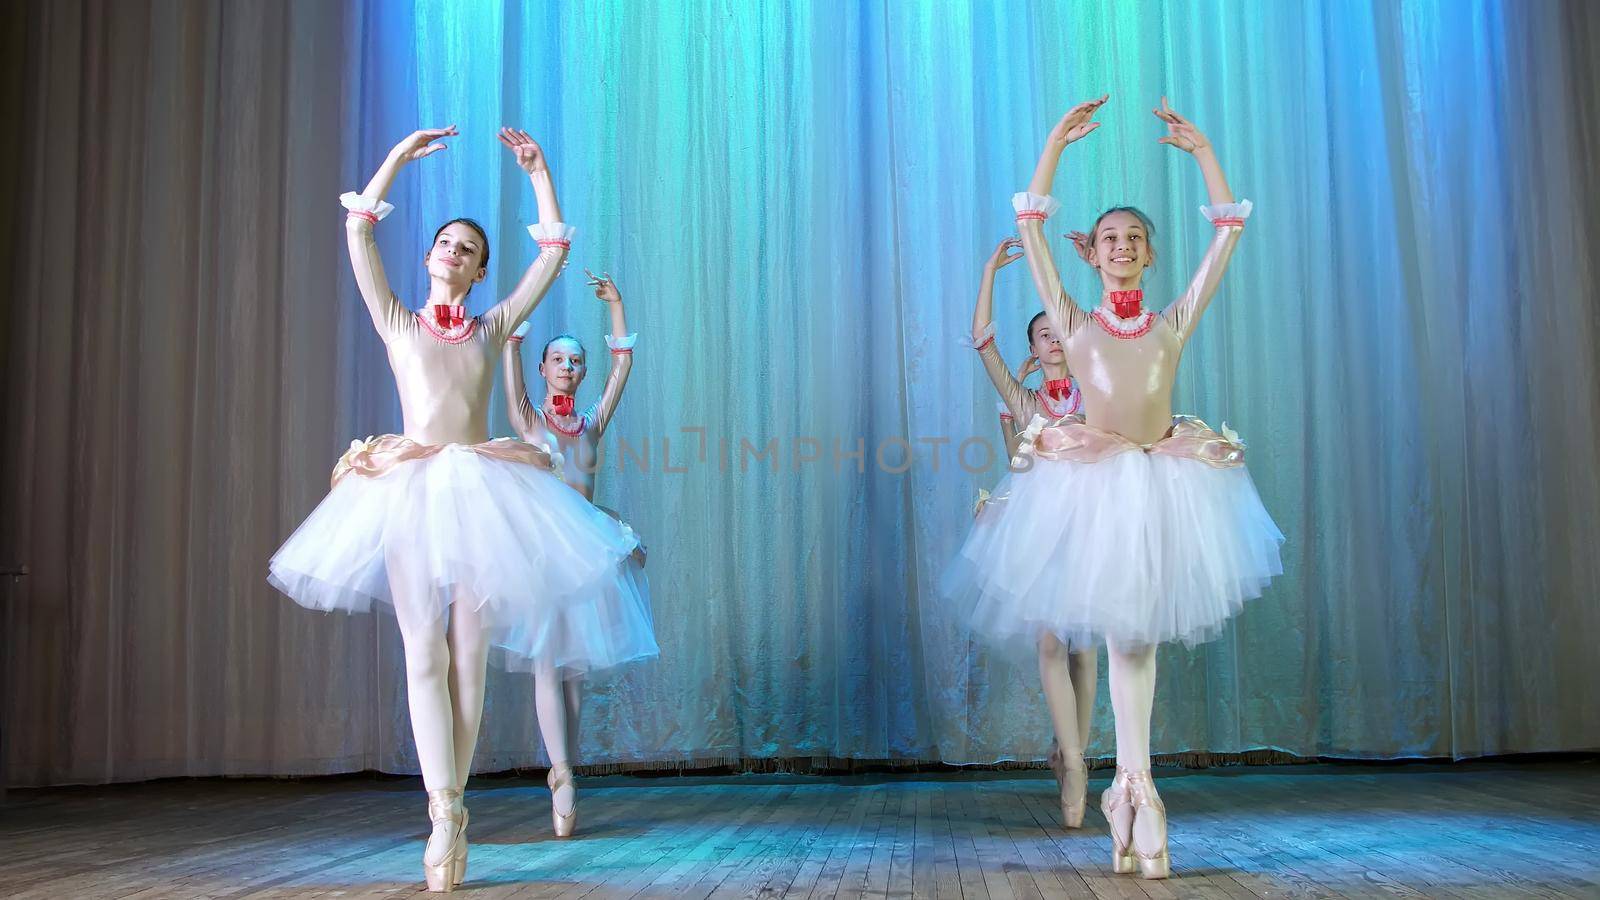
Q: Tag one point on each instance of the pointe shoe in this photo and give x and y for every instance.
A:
(444, 862)
(458, 873)
(1148, 810)
(564, 823)
(1117, 807)
(1072, 782)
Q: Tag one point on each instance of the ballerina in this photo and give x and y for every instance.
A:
(1130, 525)
(1068, 674)
(470, 541)
(623, 632)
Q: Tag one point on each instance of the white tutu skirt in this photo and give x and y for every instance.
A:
(552, 578)
(615, 626)
(1138, 548)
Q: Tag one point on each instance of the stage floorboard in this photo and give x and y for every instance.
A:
(1473, 830)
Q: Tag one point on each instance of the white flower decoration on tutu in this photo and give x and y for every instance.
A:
(1232, 436)
(1029, 436)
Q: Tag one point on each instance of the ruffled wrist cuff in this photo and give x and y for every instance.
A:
(980, 340)
(1227, 215)
(553, 234)
(1034, 206)
(365, 207)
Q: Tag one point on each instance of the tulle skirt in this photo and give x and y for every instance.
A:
(552, 578)
(617, 624)
(1139, 548)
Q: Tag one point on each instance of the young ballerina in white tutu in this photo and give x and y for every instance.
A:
(1129, 526)
(1068, 674)
(618, 628)
(469, 541)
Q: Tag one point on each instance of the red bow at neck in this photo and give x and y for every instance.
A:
(449, 317)
(1058, 388)
(561, 404)
(1126, 304)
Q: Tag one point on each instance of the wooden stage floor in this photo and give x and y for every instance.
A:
(1471, 830)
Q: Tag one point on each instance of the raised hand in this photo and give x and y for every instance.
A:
(1002, 255)
(1028, 367)
(530, 157)
(1181, 132)
(1077, 123)
(421, 143)
(1081, 243)
(604, 288)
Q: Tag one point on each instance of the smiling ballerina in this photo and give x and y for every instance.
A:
(1129, 526)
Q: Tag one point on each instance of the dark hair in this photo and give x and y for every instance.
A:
(1032, 322)
(1149, 228)
(473, 224)
(561, 337)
